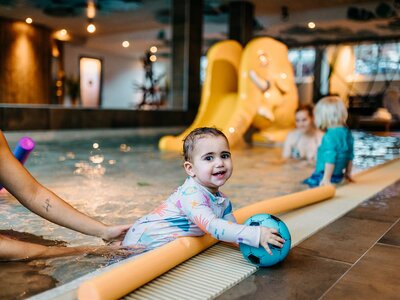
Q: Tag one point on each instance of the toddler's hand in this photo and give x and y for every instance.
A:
(348, 178)
(270, 236)
(325, 182)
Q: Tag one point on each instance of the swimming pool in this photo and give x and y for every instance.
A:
(119, 175)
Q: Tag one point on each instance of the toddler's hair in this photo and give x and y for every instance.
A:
(329, 112)
(306, 107)
(190, 140)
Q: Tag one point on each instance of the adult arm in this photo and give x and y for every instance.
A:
(11, 249)
(313, 150)
(287, 146)
(34, 196)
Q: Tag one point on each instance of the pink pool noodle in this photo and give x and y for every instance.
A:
(24, 147)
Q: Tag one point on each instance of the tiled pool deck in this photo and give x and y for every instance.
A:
(355, 257)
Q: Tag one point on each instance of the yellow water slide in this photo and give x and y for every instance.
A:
(243, 88)
(219, 94)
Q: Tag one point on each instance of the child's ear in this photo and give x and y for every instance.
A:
(188, 168)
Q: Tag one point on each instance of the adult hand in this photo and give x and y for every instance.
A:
(114, 234)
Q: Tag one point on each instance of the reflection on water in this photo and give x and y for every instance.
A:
(119, 179)
(372, 150)
(20, 280)
(23, 279)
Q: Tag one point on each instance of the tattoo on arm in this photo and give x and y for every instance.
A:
(47, 205)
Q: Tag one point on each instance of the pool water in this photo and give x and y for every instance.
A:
(118, 176)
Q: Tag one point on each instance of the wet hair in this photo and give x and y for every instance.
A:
(190, 140)
(330, 111)
(306, 107)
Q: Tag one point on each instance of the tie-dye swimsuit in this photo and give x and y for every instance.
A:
(191, 210)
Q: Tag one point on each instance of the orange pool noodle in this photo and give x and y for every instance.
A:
(129, 276)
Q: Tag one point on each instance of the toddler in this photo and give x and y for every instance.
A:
(198, 207)
(335, 154)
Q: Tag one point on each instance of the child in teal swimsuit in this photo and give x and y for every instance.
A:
(197, 206)
(335, 154)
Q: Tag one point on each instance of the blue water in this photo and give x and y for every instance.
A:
(117, 176)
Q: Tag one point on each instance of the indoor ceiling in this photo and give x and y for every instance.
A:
(146, 22)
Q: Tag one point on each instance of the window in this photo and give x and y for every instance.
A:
(303, 63)
(376, 59)
(203, 68)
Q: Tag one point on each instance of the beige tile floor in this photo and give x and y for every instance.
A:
(355, 257)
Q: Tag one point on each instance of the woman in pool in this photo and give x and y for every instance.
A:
(30, 193)
(303, 142)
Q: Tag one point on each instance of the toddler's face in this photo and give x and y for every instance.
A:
(303, 120)
(211, 164)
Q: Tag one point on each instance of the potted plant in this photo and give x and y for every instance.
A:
(72, 89)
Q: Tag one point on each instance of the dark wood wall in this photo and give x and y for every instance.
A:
(28, 117)
(25, 63)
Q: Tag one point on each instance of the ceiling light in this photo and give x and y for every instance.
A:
(91, 13)
(62, 35)
(29, 20)
(153, 58)
(153, 49)
(91, 9)
(311, 25)
(125, 44)
(55, 52)
(91, 28)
